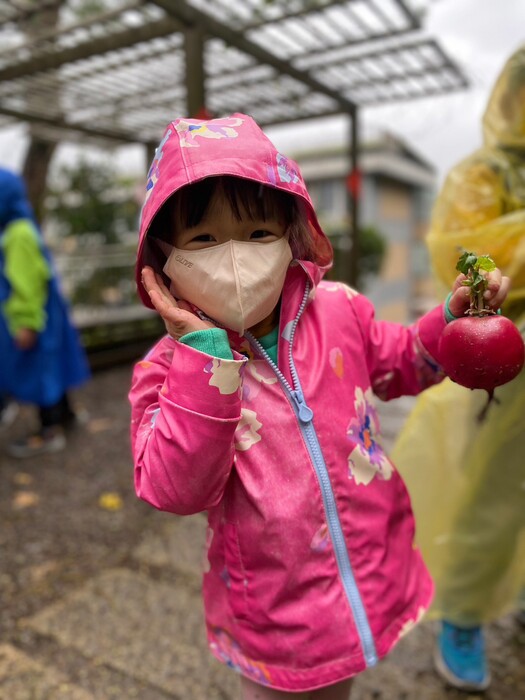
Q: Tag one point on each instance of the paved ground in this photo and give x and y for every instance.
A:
(99, 594)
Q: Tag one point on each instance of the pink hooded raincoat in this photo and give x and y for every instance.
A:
(313, 572)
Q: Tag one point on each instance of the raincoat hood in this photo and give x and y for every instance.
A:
(504, 118)
(193, 149)
(13, 199)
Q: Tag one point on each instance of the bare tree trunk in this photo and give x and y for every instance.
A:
(36, 166)
(41, 149)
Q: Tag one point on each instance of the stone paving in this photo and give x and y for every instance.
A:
(132, 626)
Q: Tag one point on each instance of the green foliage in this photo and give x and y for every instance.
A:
(90, 199)
(475, 268)
(89, 8)
(372, 248)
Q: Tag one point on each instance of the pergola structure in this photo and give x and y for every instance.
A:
(121, 75)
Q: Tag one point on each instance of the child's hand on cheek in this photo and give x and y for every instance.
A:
(178, 319)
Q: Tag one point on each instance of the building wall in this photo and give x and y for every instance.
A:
(393, 216)
(400, 211)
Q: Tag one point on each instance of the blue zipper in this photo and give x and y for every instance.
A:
(305, 416)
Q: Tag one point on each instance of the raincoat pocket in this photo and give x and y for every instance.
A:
(237, 579)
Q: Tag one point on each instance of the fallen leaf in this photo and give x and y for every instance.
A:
(98, 425)
(25, 499)
(110, 501)
(23, 479)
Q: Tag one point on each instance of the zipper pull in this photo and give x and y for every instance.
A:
(305, 413)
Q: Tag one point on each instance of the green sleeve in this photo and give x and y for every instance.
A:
(212, 341)
(28, 273)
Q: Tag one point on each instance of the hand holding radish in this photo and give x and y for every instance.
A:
(497, 288)
(480, 349)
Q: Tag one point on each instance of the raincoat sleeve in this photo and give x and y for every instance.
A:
(185, 407)
(28, 274)
(402, 360)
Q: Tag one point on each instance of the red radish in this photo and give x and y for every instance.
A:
(482, 350)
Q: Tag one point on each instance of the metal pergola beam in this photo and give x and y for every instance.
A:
(195, 73)
(51, 34)
(26, 13)
(190, 16)
(90, 48)
(367, 40)
(60, 123)
(411, 16)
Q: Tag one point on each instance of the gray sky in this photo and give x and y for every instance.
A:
(478, 34)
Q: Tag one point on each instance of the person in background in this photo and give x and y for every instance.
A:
(466, 473)
(258, 407)
(41, 354)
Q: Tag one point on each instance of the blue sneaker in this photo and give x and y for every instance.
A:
(460, 657)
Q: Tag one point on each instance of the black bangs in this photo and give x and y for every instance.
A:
(259, 201)
(245, 197)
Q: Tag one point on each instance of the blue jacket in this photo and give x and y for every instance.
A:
(57, 361)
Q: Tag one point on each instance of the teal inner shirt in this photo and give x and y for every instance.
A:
(214, 341)
(269, 343)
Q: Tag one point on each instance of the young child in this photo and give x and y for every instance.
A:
(40, 351)
(257, 407)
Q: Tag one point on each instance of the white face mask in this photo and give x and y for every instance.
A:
(237, 283)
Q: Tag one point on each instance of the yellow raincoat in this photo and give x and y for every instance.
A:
(466, 477)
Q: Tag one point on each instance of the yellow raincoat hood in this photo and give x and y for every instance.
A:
(504, 118)
(482, 204)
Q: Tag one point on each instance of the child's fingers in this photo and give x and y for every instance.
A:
(162, 304)
(154, 285)
(458, 282)
(497, 292)
(162, 286)
(149, 281)
(184, 305)
(459, 301)
(177, 315)
(177, 320)
(493, 282)
(147, 276)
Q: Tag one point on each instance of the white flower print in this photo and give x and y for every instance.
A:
(247, 433)
(367, 459)
(225, 375)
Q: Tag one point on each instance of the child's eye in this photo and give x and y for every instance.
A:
(203, 238)
(261, 233)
